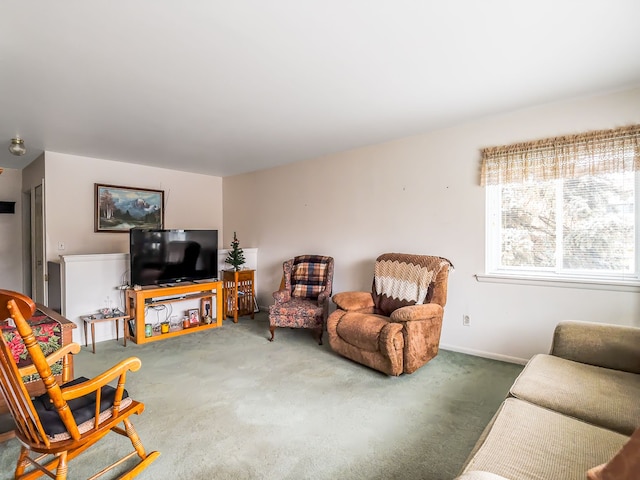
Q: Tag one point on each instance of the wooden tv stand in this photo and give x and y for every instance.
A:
(137, 300)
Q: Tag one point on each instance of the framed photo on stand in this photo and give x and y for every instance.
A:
(194, 317)
(206, 310)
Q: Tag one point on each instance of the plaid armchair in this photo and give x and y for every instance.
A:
(303, 298)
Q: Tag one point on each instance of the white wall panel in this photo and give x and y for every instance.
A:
(88, 284)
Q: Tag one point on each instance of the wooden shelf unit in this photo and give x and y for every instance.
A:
(239, 293)
(136, 304)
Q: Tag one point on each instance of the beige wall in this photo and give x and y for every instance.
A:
(11, 231)
(191, 201)
(419, 194)
(33, 174)
(422, 195)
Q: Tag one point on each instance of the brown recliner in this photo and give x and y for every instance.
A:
(396, 327)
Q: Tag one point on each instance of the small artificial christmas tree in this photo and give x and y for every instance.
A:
(236, 255)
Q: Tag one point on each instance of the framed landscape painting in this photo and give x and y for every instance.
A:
(119, 209)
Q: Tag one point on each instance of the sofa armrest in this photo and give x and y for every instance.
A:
(350, 301)
(324, 297)
(417, 312)
(282, 296)
(603, 345)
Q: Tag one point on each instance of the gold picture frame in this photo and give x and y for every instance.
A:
(119, 209)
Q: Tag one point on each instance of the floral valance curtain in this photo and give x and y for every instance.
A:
(591, 153)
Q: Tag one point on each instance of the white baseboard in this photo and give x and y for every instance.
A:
(483, 354)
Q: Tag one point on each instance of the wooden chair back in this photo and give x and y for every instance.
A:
(29, 426)
(17, 306)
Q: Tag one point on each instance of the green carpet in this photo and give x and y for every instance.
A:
(227, 404)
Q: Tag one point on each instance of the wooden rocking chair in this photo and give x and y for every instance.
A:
(68, 419)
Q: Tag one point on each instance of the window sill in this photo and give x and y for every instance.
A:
(615, 285)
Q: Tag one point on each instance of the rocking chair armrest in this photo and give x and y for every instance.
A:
(117, 371)
(417, 312)
(71, 348)
(353, 300)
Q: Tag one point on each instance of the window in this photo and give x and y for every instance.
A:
(565, 207)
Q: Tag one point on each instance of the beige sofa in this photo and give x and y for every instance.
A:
(568, 411)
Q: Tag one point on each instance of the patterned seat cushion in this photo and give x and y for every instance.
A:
(297, 313)
(297, 307)
(309, 276)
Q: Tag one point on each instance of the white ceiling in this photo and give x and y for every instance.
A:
(224, 87)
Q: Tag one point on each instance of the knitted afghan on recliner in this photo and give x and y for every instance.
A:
(402, 279)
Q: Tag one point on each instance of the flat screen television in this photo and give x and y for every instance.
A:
(171, 256)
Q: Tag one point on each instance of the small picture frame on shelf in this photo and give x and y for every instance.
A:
(194, 316)
(205, 308)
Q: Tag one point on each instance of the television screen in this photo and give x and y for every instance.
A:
(171, 256)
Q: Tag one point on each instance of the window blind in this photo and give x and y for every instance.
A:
(572, 156)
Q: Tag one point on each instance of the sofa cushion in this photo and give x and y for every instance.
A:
(527, 442)
(601, 344)
(362, 330)
(604, 397)
(625, 465)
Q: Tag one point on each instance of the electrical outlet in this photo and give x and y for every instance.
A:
(466, 321)
(60, 245)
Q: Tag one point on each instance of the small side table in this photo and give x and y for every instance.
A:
(239, 293)
(97, 318)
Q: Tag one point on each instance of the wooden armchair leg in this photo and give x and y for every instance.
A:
(135, 439)
(61, 471)
(23, 463)
(319, 336)
(272, 329)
